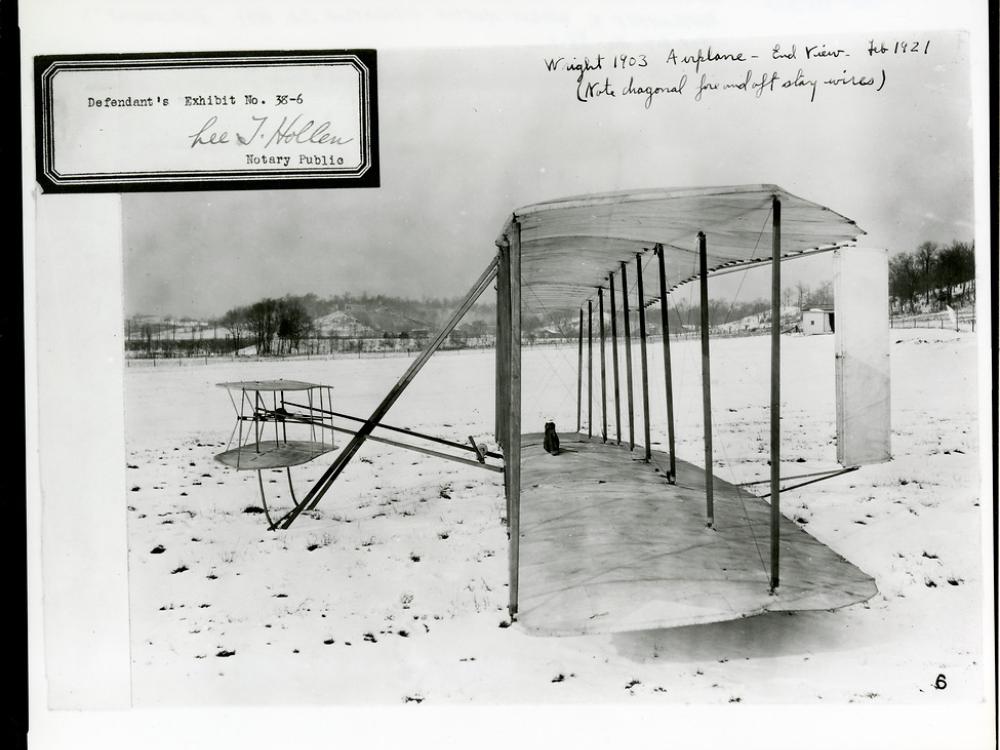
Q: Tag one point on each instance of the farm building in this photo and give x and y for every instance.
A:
(817, 320)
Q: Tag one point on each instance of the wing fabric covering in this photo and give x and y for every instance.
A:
(570, 246)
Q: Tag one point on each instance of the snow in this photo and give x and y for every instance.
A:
(395, 589)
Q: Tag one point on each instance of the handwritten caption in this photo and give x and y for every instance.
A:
(704, 74)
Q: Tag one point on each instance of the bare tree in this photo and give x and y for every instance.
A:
(263, 319)
(822, 296)
(903, 280)
(802, 290)
(293, 322)
(237, 322)
(925, 262)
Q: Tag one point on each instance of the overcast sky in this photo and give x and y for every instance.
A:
(466, 136)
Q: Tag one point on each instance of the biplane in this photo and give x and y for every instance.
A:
(614, 535)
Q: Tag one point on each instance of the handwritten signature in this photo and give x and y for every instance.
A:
(298, 130)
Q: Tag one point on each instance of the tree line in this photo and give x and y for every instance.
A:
(933, 275)
(278, 326)
(275, 326)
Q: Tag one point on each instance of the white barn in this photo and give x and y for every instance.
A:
(817, 320)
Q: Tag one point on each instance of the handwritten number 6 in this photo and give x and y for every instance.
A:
(940, 683)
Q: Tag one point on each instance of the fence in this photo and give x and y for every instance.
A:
(313, 346)
(357, 348)
(325, 348)
(964, 320)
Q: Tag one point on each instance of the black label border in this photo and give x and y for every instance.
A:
(264, 179)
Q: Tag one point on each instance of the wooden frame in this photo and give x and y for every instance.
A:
(512, 451)
(590, 368)
(502, 343)
(579, 373)
(706, 378)
(775, 389)
(614, 359)
(668, 377)
(628, 357)
(642, 358)
(604, 386)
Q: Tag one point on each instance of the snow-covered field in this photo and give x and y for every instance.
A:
(396, 589)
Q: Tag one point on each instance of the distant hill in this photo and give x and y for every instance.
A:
(760, 321)
(377, 316)
(341, 323)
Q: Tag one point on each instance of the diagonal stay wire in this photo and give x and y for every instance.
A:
(743, 278)
(553, 371)
(685, 358)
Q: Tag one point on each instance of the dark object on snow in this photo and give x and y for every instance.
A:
(551, 439)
